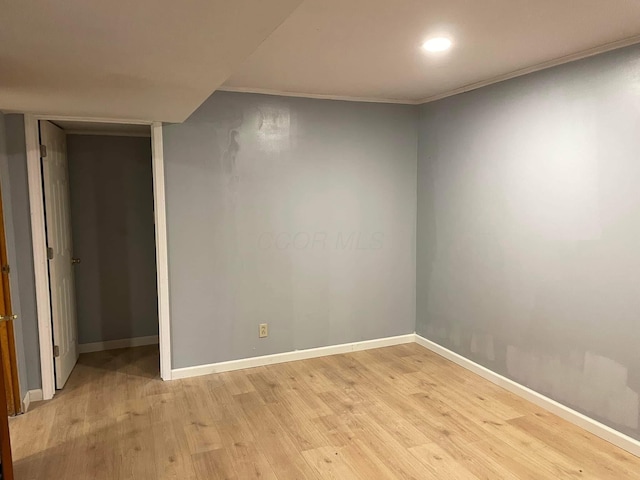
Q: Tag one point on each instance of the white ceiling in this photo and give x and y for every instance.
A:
(143, 59)
(160, 59)
(370, 49)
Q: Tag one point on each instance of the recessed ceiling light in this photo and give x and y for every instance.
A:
(437, 44)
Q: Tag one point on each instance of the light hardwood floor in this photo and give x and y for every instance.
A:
(397, 412)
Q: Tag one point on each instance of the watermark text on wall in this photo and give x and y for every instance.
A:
(337, 241)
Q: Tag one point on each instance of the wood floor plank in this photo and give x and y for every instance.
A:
(399, 412)
(249, 462)
(214, 465)
(440, 463)
(330, 463)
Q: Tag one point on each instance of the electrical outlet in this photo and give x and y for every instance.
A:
(264, 330)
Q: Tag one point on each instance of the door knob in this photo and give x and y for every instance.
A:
(6, 318)
(75, 261)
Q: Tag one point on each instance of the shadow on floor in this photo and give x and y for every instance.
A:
(138, 361)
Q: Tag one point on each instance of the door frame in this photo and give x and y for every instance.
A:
(39, 241)
(12, 383)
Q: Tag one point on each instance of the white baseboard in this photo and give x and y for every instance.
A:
(621, 440)
(31, 396)
(289, 356)
(113, 344)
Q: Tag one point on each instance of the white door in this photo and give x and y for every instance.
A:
(58, 221)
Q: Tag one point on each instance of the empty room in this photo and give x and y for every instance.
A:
(320, 239)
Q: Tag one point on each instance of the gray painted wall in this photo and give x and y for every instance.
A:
(528, 232)
(16, 197)
(111, 186)
(295, 212)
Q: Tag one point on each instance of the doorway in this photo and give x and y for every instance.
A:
(98, 192)
(61, 338)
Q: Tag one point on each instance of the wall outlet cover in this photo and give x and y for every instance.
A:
(264, 330)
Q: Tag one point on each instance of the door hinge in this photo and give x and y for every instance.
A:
(6, 269)
(56, 351)
(43, 151)
(50, 253)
